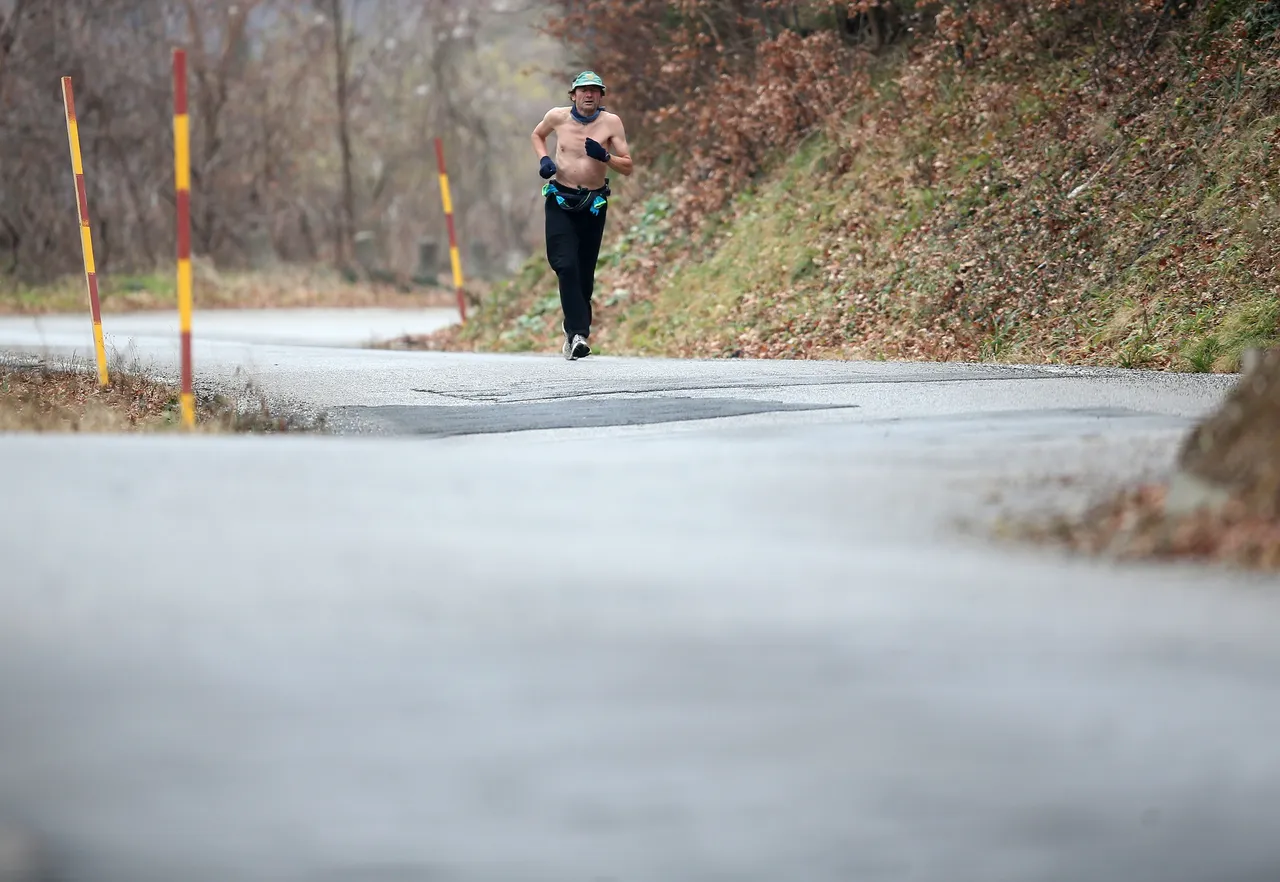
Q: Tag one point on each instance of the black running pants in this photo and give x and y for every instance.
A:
(573, 245)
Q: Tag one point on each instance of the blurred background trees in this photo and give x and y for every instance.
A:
(312, 128)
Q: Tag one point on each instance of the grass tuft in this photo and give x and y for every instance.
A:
(38, 395)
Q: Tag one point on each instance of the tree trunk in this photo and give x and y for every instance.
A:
(346, 219)
(9, 32)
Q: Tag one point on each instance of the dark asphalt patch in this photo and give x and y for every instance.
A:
(440, 421)
(543, 390)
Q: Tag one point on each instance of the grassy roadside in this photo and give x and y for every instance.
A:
(1065, 209)
(294, 287)
(44, 397)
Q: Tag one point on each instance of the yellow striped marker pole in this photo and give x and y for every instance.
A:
(86, 238)
(454, 258)
(182, 201)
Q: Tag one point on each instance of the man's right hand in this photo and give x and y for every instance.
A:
(547, 168)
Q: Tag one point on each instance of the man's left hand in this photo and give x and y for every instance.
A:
(595, 151)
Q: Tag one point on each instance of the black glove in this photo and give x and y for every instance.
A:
(595, 151)
(547, 168)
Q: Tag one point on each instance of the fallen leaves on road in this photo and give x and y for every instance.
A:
(1133, 526)
(444, 340)
(1233, 453)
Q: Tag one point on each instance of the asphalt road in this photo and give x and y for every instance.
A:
(626, 620)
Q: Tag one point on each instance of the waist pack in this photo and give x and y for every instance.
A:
(578, 198)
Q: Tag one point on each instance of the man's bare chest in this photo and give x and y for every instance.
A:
(573, 135)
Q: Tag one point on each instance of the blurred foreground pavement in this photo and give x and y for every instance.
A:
(626, 620)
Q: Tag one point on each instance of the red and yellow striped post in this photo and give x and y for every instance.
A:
(182, 201)
(86, 237)
(454, 258)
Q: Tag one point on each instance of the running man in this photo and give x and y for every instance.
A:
(589, 142)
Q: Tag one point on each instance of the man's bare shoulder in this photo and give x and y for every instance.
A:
(612, 117)
(557, 116)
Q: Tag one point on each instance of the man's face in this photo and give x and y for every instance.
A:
(587, 98)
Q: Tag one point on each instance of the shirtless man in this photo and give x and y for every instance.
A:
(589, 141)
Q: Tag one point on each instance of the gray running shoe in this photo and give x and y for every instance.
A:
(577, 349)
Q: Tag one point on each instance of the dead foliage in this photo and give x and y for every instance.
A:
(1134, 526)
(1237, 447)
(442, 341)
(1234, 450)
(286, 288)
(44, 397)
(720, 86)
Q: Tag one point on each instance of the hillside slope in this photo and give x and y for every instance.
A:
(1084, 206)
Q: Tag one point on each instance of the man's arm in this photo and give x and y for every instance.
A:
(542, 130)
(620, 152)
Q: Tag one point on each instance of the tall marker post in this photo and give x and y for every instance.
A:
(86, 237)
(454, 258)
(182, 202)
